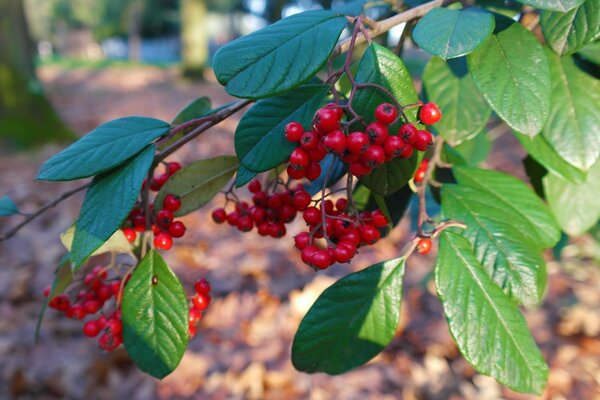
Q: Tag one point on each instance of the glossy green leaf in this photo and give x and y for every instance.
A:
(392, 175)
(7, 207)
(568, 32)
(555, 5)
(197, 183)
(195, 109)
(107, 203)
(539, 148)
(243, 176)
(486, 325)
(574, 123)
(450, 33)
(260, 143)
(516, 198)
(512, 73)
(465, 111)
(106, 147)
(155, 317)
(352, 321)
(503, 244)
(575, 206)
(279, 57)
(63, 276)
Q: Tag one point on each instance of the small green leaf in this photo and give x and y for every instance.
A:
(568, 32)
(279, 57)
(117, 243)
(7, 207)
(486, 325)
(107, 203)
(195, 109)
(155, 317)
(104, 148)
(465, 111)
(352, 321)
(450, 33)
(243, 176)
(555, 5)
(512, 73)
(197, 183)
(539, 148)
(260, 143)
(575, 206)
(574, 122)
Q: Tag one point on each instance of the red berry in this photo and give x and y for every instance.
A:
(430, 114)
(158, 181)
(424, 246)
(60, 302)
(321, 259)
(254, 186)
(287, 213)
(341, 204)
(374, 156)
(423, 140)
(309, 141)
(377, 132)
(338, 110)
(164, 217)
(91, 329)
(313, 171)
(77, 312)
(307, 254)
(277, 230)
(386, 113)
(173, 167)
(264, 229)
(348, 157)
(335, 142)
(317, 154)
(130, 234)
(359, 169)
(299, 158)
(194, 316)
(92, 306)
(163, 241)
(378, 219)
(293, 131)
(219, 215)
(201, 301)
(301, 200)
(312, 215)
(47, 291)
(114, 325)
(177, 229)
(257, 214)
(295, 173)
(245, 223)
(327, 120)
(408, 133)
(357, 142)
(369, 234)
(202, 286)
(302, 240)
(420, 175)
(342, 254)
(104, 292)
(393, 147)
(351, 236)
(407, 152)
(171, 202)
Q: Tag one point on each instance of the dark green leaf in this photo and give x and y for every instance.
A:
(107, 203)
(195, 109)
(465, 112)
(539, 148)
(352, 321)
(63, 276)
(106, 147)
(486, 325)
(7, 207)
(511, 71)
(197, 183)
(575, 206)
(450, 33)
(568, 32)
(392, 175)
(243, 176)
(393, 206)
(574, 122)
(260, 143)
(555, 5)
(279, 57)
(155, 317)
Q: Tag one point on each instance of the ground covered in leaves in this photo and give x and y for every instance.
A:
(261, 289)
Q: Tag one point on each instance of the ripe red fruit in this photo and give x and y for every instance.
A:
(307, 254)
(163, 241)
(341, 204)
(202, 286)
(201, 301)
(317, 154)
(295, 173)
(60, 302)
(293, 131)
(158, 181)
(407, 152)
(130, 234)
(378, 219)
(219, 215)
(342, 254)
(302, 240)
(369, 234)
(335, 142)
(254, 186)
(420, 175)
(309, 141)
(321, 259)
(338, 110)
(91, 329)
(287, 213)
(424, 246)
(386, 113)
(408, 133)
(423, 140)
(114, 325)
(171, 202)
(173, 167)
(312, 215)
(374, 156)
(177, 229)
(47, 291)
(245, 223)
(430, 114)
(377, 132)
(164, 217)
(313, 171)
(277, 230)
(299, 158)
(359, 169)
(301, 200)
(393, 147)
(264, 229)
(327, 120)
(357, 142)
(194, 316)
(257, 214)
(92, 306)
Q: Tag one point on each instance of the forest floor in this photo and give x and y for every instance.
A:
(260, 289)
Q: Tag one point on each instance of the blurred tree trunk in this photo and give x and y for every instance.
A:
(26, 116)
(134, 30)
(194, 37)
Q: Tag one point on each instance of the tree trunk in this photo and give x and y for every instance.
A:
(194, 38)
(26, 116)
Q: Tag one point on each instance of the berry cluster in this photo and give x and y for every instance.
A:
(98, 290)
(162, 223)
(200, 302)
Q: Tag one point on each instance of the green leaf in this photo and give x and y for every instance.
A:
(195, 109)
(475, 150)
(574, 122)
(453, 33)
(279, 57)
(352, 321)
(511, 71)
(260, 143)
(503, 244)
(117, 243)
(591, 52)
(568, 32)
(488, 328)
(155, 317)
(539, 148)
(243, 176)
(555, 5)
(575, 206)
(515, 198)
(107, 203)
(465, 111)
(104, 148)
(7, 207)
(63, 276)
(197, 183)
